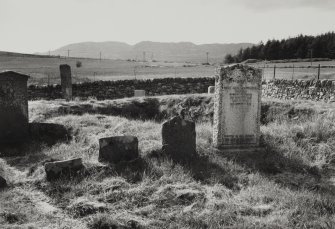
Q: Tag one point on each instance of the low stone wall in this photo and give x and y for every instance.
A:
(282, 89)
(125, 88)
(317, 90)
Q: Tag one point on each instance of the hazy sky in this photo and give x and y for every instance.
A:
(42, 25)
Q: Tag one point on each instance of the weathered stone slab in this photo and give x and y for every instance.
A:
(179, 139)
(237, 107)
(118, 148)
(13, 107)
(63, 169)
(3, 182)
(211, 89)
(66, 81)
(139, 93)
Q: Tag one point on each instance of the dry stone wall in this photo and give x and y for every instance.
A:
(317, 90)
(125, 88)
(282, 89)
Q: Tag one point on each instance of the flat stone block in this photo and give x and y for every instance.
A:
(63, 169)
(118, 148)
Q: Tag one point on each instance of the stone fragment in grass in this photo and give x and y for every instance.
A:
(3, 182)
(83, 207)
(118, 148)
(179, 139)
(211, 89)
(63, 169)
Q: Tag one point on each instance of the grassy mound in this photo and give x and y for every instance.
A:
(288, 185)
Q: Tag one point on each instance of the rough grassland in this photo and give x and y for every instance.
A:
(289, 185)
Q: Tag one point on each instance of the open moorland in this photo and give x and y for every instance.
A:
(291, 184)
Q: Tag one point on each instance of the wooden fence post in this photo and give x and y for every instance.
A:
(274, 72)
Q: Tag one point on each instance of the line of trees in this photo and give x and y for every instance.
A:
(301, 47)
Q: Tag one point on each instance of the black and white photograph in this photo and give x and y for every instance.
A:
(176, 114)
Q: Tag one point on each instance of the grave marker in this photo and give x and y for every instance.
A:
(179, 139)
(13, 107)
(237, 106)
(66, 81)
(118, 148)
(211, 89)
(139, 93)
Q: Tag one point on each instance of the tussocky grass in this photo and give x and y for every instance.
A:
(285, 186)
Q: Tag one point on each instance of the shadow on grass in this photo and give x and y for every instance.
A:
(137, 109)
(29, 152)
(288, 172)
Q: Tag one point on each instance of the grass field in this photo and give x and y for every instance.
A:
(288, 185)
(45, 70)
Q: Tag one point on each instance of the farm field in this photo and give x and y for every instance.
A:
(45, 70)
(289, 185)
(40, 69)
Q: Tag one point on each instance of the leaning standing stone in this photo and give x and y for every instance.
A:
(117, 149)
(179, 139)
(63, 169)
(66, 81)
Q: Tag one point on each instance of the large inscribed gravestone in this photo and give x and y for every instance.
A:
(237, 107)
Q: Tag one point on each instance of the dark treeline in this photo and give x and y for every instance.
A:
(301, 47)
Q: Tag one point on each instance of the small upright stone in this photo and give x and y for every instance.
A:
(63, 169)
(211, 89)
(237, 107)
(13, 107)
(3, 183)
(179, 139)
(118, 148)
(66, 81)
(139, 93)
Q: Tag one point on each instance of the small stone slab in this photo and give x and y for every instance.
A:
(3, 182)
(179, 139)
(139, 93)
(118, 148)
(211, 89)
(63, 169)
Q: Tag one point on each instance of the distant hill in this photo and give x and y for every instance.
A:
(182, 51)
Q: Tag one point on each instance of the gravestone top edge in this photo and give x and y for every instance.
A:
(14, 74)
(239, 73)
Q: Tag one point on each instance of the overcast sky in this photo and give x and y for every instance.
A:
(41, 25)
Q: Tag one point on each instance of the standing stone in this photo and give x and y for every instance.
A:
(211, 89)
(13, 107)
(237, 107)
(3, 183)
(118, 148)
(139, 93)
(63, 169)
(66, 81)
(179, 139)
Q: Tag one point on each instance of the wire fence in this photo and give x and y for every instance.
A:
(49, 75)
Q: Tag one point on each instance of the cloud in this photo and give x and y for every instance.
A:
(285, 4)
